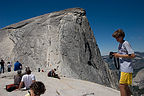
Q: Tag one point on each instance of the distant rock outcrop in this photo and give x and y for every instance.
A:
(138, 82)
(62, 40)
(139, 79)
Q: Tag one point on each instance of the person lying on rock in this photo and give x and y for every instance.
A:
(36, 89)
(53, 74)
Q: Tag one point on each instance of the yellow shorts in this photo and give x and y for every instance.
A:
(126, 78)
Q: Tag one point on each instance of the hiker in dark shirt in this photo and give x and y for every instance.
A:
(17, 78)
(2, 65)
(53, 74)
(17, 66)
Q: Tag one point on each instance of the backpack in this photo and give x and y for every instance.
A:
(11, 87)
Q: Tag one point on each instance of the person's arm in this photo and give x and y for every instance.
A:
(124, 56)
(20, 86)
(21, 83)
(130, 52)
(33, 79)
(53, 73)
(20, 66)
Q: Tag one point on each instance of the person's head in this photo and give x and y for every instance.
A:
(54, 69)
(28, 71)
(37, 88)
(19, 72)
(2, 60)
(8, 63)
(119, 35)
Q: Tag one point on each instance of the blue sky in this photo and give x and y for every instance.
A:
(105, 17)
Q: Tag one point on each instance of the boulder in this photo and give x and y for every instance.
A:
(63, 40)
(138, 83)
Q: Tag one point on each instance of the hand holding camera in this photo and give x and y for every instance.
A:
(114, 55)
(111, 55)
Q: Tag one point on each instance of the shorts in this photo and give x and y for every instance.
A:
(126, 78)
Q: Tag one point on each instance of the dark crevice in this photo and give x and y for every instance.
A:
(81, 13)
(12, 41)
(79, 21)
(19, 26)
(87, 47)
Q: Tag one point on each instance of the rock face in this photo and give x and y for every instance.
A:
(62, 40)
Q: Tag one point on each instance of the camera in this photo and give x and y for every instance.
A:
(111, 55)
(116, 60)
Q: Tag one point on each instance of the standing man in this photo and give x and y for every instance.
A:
(9, 66)
(2, 65)
(17, 66)
(125, 54)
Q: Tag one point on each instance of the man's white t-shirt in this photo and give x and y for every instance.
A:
(27, 79)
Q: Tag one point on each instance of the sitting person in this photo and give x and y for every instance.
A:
(36, 89)
(17, 78)
(27, 79)
(53, 74)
